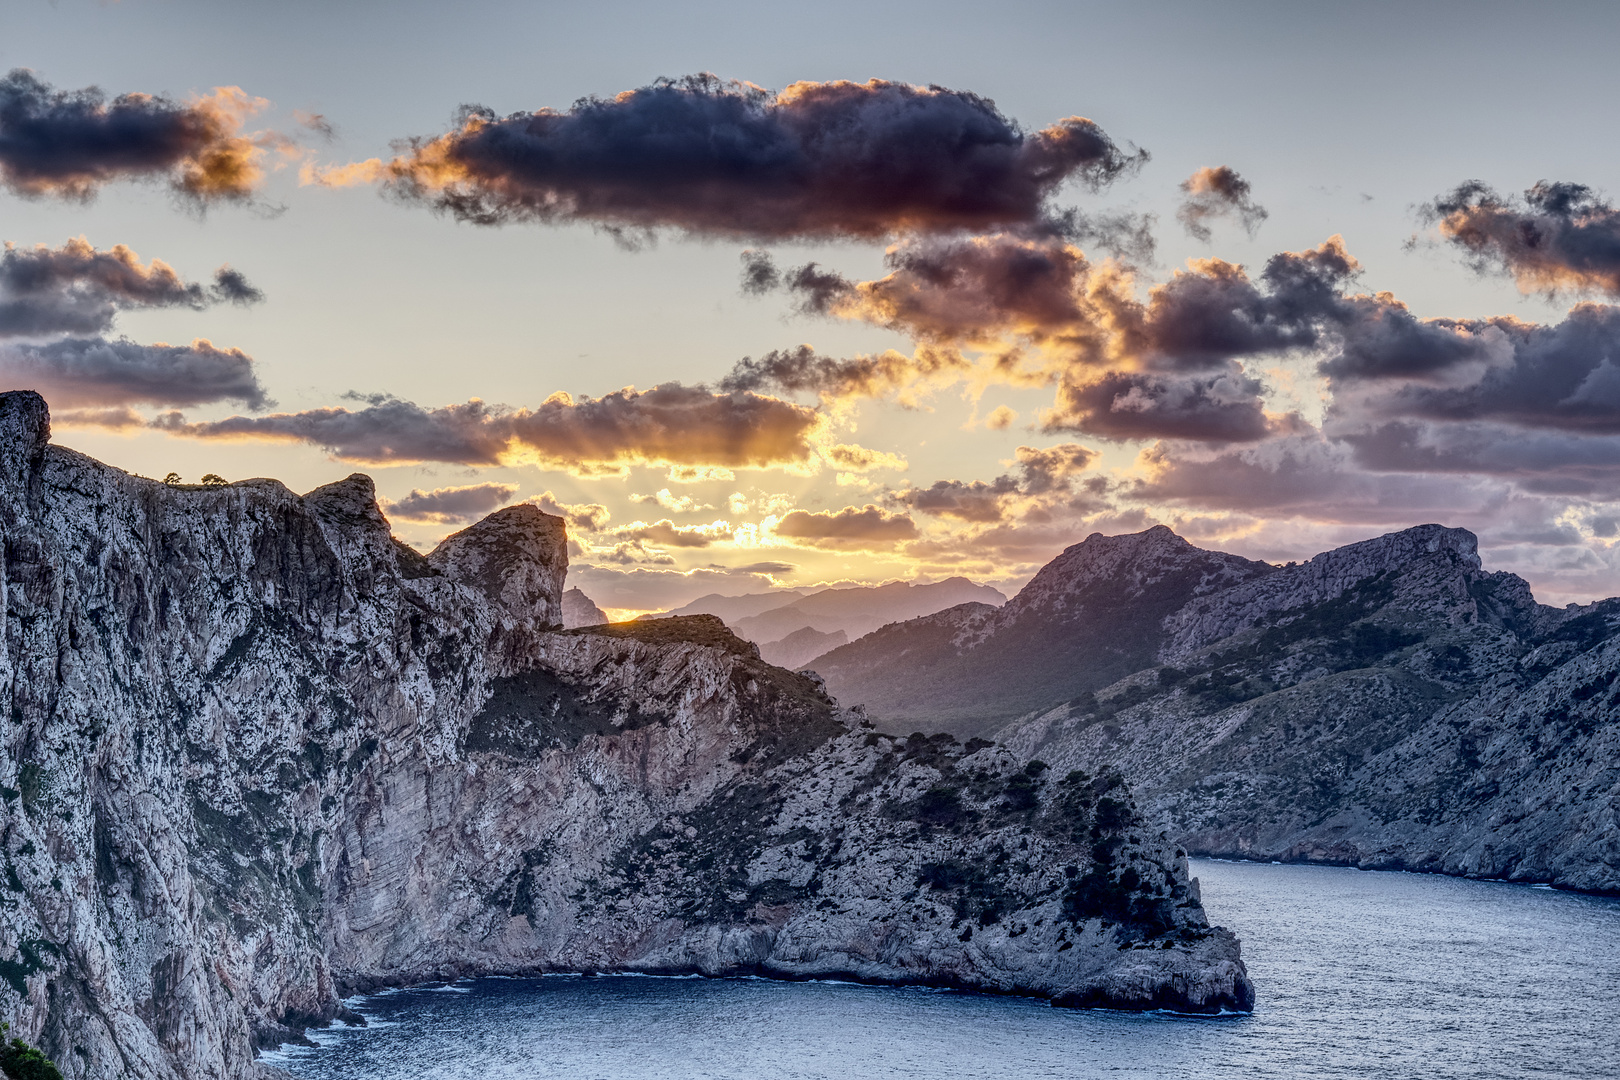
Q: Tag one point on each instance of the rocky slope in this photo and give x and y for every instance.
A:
(1387, 704)
(1090, 616)
(256, 754)
(800, 646)
(580, 610)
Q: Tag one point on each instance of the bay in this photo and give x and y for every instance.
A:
(1359, 974)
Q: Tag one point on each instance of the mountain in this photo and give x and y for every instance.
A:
(732, 608)
(858, 610)
(580, 610)
(1091, 615)
(1387, 704)
(800, 646)
(257, 755)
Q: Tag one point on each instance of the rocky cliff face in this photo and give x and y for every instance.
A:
(1388, 704)
(256, 754)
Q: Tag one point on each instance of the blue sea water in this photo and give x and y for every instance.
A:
(1364, 975)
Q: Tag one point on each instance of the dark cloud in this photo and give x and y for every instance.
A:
(450, 505)
(759, 275)
(1564, 376)
(1124, 235)
(1044, 477)
(1557, 237)
(97, 372)
(76, 289)
(1301, 475)
(984, 290)
(704, 156)
(1121, 405)
(68, 143)
(669, 424)
(1218, 192)
(1546, 462)
(868, 527)
(974, 500)
(803, 370)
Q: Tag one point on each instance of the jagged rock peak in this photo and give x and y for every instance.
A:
(25, 429)
(1129, 560)
(517, 557)
(580, 610)
(1427, 570)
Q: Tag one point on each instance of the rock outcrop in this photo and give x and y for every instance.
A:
(1389, 704)
(255, 754)
(580, 610)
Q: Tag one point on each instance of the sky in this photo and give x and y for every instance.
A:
(843, 292)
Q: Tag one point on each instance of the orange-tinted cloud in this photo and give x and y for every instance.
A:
(704, 156)
(669, 424)
(852, 528)
(69, 143)
(1217, 192)
(76, 289)
(1559, 237)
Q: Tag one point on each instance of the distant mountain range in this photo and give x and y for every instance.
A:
(1388, 704)
(771, 619)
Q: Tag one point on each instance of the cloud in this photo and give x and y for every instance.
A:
(1120, 405)
(1001, 418)
(77, 289)
(1557, 237)
(1217, 192)
(1563, 377)
(1043, 480)
(851, 458)
(703, 156)
(669, 534)
(698, 474)
(69, 143)
(675, 504)
(803, 370)
(97, 372)
(868, 527)
(669, 424)
(586, 517)
(450, 505)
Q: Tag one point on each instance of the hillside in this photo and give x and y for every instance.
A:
(852, 610)
(1091, 616)
(1387, 704)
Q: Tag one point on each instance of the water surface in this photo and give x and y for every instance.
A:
(1364, 975)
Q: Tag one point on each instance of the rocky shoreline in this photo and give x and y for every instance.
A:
(257, 755)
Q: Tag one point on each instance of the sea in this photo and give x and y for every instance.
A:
(1359, 974)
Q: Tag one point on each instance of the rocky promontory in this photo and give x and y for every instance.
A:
(256, 754)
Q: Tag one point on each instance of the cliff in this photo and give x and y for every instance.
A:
(256, 754)
(1389, 704)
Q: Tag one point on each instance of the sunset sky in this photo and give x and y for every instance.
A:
(893, 291)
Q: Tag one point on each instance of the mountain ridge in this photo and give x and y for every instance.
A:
(1387, 704)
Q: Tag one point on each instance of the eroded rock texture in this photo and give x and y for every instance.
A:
(255, 754)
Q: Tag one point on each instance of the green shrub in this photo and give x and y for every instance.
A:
(19, 1061)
